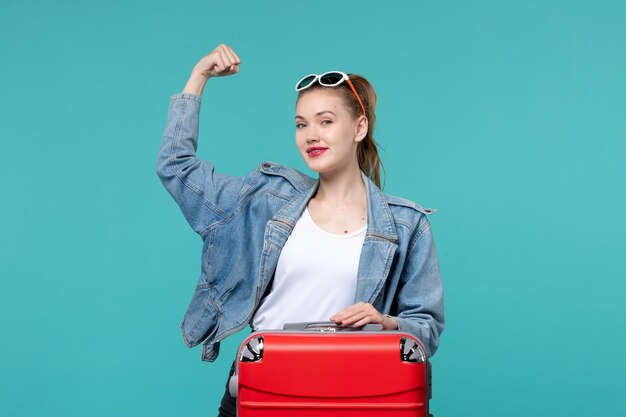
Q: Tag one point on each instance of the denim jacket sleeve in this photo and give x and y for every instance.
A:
(420, 295)
(203, 195)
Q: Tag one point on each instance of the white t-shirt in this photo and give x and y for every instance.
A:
(315, 276)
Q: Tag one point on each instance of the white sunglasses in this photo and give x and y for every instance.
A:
(328, 79)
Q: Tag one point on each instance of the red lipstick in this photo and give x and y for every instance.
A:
(315, 151)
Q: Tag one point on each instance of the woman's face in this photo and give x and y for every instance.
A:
(326, 133)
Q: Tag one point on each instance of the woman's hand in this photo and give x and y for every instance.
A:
(220, 62)
(361, 314)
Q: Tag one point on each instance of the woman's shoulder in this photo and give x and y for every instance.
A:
(297, 179)
(395, 201)
(409, 215)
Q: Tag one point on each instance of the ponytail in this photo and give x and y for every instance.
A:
(367, 150)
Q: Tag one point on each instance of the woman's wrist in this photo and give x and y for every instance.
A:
(389, 323)
(195, 84)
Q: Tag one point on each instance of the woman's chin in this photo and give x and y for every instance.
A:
(317, 167)
(314, 164)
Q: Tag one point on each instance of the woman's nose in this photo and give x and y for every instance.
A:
(312, 138)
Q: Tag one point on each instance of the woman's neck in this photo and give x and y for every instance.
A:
(347, 187)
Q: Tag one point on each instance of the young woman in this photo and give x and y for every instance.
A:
(280, 246)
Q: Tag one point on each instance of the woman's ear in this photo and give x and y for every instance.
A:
(361, 128)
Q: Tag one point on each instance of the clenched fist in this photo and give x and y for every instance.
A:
(220, 62)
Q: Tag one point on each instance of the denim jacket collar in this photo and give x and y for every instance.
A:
(379, 218)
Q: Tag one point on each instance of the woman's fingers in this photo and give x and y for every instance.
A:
(231, 63)
(358, 317)
(236, 56)
(358, 314)
(366, 320)
(220, 62)
(229, 55)
(346, 312)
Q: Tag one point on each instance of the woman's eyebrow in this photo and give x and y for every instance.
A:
(317, 114)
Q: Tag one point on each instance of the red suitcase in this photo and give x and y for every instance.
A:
(321, 369)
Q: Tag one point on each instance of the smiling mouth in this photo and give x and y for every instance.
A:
(315, 151)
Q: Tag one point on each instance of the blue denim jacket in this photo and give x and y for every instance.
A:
(245, 221)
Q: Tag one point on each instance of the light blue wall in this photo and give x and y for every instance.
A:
(507, 116)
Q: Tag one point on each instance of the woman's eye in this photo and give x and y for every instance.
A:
(326, 122)
(299, 125)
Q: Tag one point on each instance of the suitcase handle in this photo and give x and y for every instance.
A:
(330, 326)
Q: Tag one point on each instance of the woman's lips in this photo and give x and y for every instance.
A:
(314, 152)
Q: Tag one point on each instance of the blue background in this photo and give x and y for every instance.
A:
(507, 116)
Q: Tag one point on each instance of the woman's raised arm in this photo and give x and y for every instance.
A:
(203, 195)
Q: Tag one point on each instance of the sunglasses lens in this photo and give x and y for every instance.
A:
(331, 79)
(305, 82)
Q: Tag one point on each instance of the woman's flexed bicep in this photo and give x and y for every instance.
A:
(203, 195)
